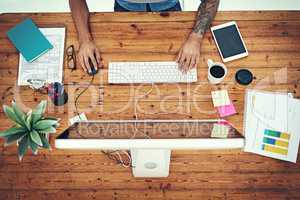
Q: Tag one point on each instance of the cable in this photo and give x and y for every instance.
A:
(81, 93)
(113, 155)
(117, 154)
(76, 101)
(117, 157)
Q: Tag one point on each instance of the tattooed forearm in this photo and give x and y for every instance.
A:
(206, 13)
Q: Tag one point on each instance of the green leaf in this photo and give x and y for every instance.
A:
(23, 146)
(9, 112)
(37, 113)
(44, 124)
(13, 138)
(33, 146)
(45, 141)
(34, 135)
(56, 125)
(52, 118)
(50, 130)
(19, 114)
(12, 131)
(29, 120)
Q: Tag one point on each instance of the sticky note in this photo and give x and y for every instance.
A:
(226, 110)
(220, 98)
(220, 131)
(78, 118)
(224, 122)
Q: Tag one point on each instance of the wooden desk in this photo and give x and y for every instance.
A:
(273, 41)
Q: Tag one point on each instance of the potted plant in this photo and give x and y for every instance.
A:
(30, 130)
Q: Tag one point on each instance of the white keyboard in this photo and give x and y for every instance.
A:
(148, 72)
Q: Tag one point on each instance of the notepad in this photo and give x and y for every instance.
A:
(222, 102)
(220, 98)
(29, 40)
(220, 131)
(226, 110)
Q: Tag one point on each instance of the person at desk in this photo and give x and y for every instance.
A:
(189, 54)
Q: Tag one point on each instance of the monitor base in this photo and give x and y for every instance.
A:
(150, 162)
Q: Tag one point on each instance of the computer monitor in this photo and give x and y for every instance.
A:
(149, 141)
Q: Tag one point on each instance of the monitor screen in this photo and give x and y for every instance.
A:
(229, 41)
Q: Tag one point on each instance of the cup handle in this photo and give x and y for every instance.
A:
(210, 62)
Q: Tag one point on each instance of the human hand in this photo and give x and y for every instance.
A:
(88, 50)
(189, 54)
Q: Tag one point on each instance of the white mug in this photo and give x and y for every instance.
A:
(219, 73)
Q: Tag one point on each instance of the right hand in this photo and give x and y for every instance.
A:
(88, 50)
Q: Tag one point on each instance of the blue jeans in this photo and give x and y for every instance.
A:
(119, 8)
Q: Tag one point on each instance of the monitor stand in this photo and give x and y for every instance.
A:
(150, 162)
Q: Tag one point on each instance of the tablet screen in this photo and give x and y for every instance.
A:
(229, 41)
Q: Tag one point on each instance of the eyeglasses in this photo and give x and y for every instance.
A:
(38, 85)
(71, 57)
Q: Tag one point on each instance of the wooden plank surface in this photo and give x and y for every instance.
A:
(273, 41)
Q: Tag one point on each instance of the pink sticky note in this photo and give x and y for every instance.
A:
(226, 110)
(223, 122)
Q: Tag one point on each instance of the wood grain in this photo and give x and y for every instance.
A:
(273, 41)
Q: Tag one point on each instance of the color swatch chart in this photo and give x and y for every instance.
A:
(276, 142)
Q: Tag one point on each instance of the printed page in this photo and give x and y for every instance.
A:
(49, 66)
(272, 130)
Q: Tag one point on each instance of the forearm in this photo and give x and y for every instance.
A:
(206, 14)
(80, 14)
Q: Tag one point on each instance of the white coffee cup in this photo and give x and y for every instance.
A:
(216, 71)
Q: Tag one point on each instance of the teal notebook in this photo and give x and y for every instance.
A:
(29, 40)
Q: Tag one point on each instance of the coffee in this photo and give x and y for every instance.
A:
(217, 71)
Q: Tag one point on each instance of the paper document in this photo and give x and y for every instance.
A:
(78, 118)
(48, 67)
(272, 124)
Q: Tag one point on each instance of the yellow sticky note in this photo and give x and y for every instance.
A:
(220, 131)
(220, 98)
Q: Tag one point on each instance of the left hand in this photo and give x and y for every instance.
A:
(189, 54)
